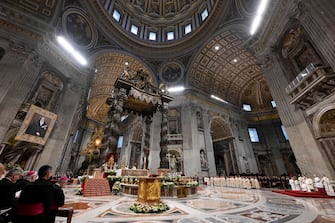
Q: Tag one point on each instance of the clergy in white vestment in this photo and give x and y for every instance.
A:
(309, 184)
(328, 187)
(318, 184)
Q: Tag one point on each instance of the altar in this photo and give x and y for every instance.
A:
(149, 190)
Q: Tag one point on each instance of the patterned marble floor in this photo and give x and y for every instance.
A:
(209, 205)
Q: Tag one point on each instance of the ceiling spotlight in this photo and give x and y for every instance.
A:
(219, 99)
(126, 63)
(70, 49)
(216, 48)
(235, 60)
(176, 89)
(259, 16)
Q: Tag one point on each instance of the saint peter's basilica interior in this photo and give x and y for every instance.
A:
(198, 87)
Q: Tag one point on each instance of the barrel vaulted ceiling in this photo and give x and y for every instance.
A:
(229, 71)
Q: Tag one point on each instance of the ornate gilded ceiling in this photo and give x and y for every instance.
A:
(160, 17)
(140, 18)
(212, 59)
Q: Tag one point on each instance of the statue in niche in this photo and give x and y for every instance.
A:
(291, 41)
(246, 164)
(203, 159)
(173, 163)
(200, 122)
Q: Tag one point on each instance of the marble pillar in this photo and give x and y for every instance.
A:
(21, 67)
(309, 157)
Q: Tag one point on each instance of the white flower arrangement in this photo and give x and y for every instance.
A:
(192, 184)
(78, 190)
(116, 187)
(148, 208)
(167, 185)
(108, 171)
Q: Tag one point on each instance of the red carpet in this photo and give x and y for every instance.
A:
(295, 193)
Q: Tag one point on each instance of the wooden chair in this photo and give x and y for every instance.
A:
(65, 212)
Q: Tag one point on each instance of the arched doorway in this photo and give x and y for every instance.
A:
(224, 152)
(135, 146)
(324, 128)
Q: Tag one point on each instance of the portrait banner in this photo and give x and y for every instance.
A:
(37, 126)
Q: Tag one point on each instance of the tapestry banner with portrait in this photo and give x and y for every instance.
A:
(36, 126)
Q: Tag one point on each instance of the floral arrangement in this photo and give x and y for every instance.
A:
(192, 184)
(148, 208)
(116, 187)
(171, 178)
(108, 171)
(114, 178)
(78, 190)
(167, 184)
(83, 178)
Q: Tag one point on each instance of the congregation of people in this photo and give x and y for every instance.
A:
(29, 196)
(233, 181)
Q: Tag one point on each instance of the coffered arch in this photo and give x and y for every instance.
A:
(220, 129)
(225, 68)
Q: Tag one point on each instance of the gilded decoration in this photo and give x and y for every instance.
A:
(37, 126)
(18, 30)
(109, 66)
(292, 40)
(149, 190)
(92, 150)
(44, 10)
(220, 129)
(327, 123)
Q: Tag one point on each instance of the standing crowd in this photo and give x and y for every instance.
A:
(29, 196)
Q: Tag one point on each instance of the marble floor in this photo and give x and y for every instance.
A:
(209, 205)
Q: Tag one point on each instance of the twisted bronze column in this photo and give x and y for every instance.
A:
(164, 163)
(112, 128)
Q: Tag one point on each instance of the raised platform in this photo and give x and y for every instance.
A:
(296, 193)
(96, 187)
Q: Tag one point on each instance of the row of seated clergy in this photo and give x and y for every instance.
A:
(38, 201)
